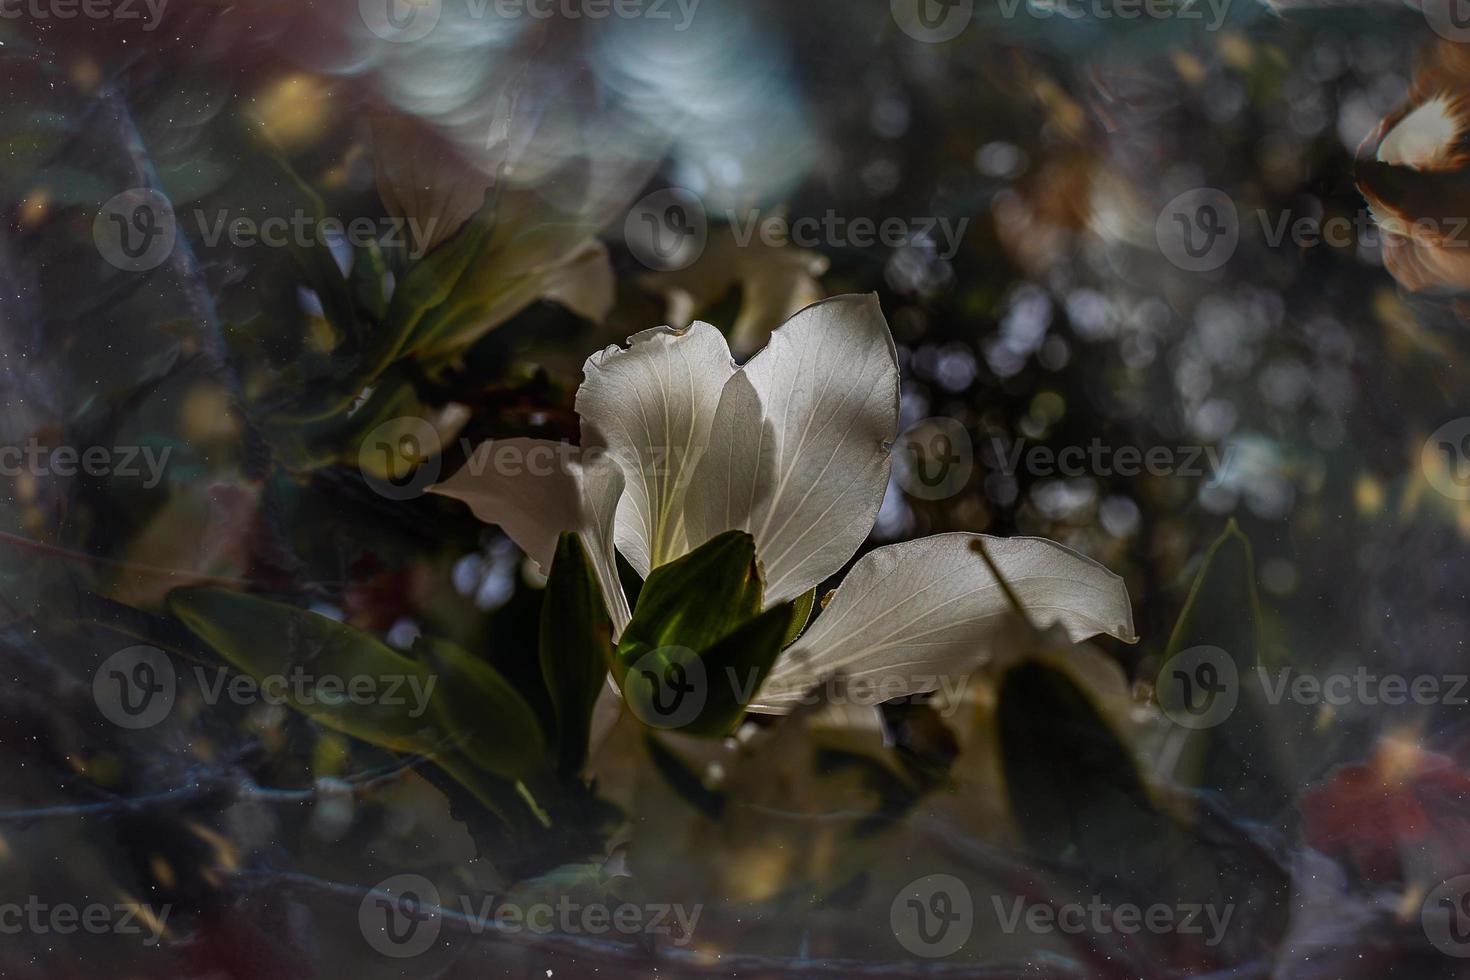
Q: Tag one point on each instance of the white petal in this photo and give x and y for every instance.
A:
(651, 406)
(911, 613)
(799, 452)
(536, 489)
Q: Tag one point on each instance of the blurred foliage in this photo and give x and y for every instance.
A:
(269, 377)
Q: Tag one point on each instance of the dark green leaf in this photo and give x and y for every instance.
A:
(720, 680)
(1073, 787)
(575, 648)
(268, 639)
(694, 601)
(481, 714)
(1245, 754)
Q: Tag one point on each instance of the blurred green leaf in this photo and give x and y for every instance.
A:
(1074, 789)
(575, 648)
(1244, 755)
(1223, 608)
(268, 639)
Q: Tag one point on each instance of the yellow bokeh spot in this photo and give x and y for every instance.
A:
(293, 109)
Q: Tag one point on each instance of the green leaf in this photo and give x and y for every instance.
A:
(699, 646)
(1223, 608)
(575, 648)
(694, 601)
(268, 639)
(481, 714)
(1073, 787)
(1246, 755)
(720, 680)
(366, 280)
(1082, 806)
(801, 614)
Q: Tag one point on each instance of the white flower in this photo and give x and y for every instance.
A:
(680, 444)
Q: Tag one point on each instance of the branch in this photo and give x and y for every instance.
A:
(606, 952)
(225, 790)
